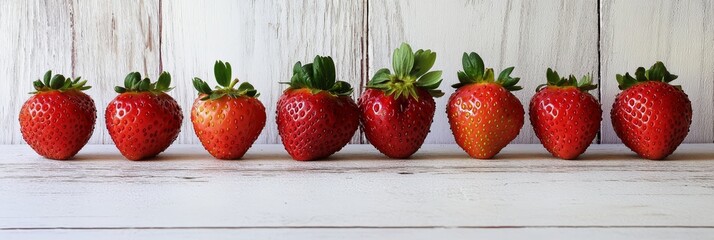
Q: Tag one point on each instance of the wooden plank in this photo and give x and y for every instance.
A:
(112, 39)
(529, 35)
(262, 40)
(380, 233)
(679, 33)
(36, 37)
(358, 187)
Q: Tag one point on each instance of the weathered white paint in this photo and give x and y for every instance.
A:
(262, 40)
(34, 38)
(440, 189)
(102, 41)
(679, 33)
(379, 233)
(530, 35)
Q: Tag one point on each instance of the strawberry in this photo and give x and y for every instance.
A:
(143, 120)
(483, 113)
(58, 120)
(565, 117)
(650, 116)
(316, 116)
(397, 109)
(227, 120)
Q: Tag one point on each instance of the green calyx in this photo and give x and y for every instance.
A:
(411, 71)
(134, 83)
(474, 72)
(318, 76)
(58, 82)
(658, 72)
(585, 84)
(223, 73)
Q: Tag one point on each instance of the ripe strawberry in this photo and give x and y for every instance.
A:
(316, 116)
(397, 109)
(227, 120)
(483, 114)
(58, 120)
(651, 116)
(143, 120)
(565, 117)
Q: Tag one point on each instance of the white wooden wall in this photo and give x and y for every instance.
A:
(104, 40)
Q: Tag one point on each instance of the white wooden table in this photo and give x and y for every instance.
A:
(357, 194)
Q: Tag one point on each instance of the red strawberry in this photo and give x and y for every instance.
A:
(650, 116)
(58, 120)
(316, 116)
(483, 114)
(227, 120)
(143, 120)
(565, 117)
(397, 109)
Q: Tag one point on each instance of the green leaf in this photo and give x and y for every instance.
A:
(552, 77)
(505, 74)
(423, 61)
(144, 85)
(473, 65)
(430, 80)
(221, 73)
(403, 60)
(47, 78)
(119, 89)
(57, 81)
(463, 78)
(164, 81)
(216, 95)
(323, 72)
(381, 76)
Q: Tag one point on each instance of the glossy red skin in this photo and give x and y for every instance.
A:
(228, 127)
(143, 124)
(396, 127)
(314, 126)
(565, 119)
(484, 118)
(652, 118)
(57, 124)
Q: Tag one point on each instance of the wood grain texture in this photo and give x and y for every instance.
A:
(379, 233)
(530, 35)
(35, 36)
(262, 40)
(358, 188)
(679, 33)
(111, 39)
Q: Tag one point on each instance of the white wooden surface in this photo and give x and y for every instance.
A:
(102, 41)
(524, 193)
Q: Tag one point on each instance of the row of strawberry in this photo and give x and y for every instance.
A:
(316, 116)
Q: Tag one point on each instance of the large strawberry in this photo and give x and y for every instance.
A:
(316, 116)
(143, 120)
(397, 108)
(565, 117)
(651, 116)
(225, 119)
(58, 120)
(483, 113)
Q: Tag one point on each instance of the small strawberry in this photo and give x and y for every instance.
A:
(227, 120)
(143, 120)
(565, 117)
(58, 120)
(316, 116)
(397, 109)
(483, 113)
(650, 116)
